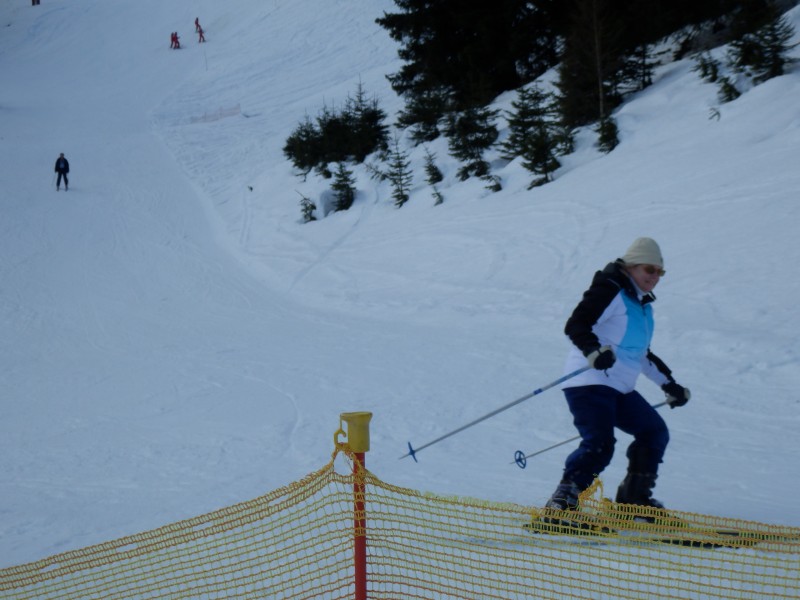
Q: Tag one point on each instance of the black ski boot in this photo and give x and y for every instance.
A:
(553, 519)
(565, 497)
(637, 488)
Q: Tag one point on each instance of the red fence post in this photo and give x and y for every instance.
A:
(360, 524)
(358, 441)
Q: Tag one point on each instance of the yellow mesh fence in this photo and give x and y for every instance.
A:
(297, 542)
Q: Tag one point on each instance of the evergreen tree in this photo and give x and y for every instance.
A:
(535, 37)
(344, 191)
(540, 155)
(533, 133)
(727, 90)
(432, 172)
(307, 207)
(459, 55)
(334, 139)
(433, 175)
(638, 26)
(607, 134)
(399, 175)
(707, 67)
(302, 147)
(469, 134)
(587, 74)
(636, 69)
(367, 131)
(763, 54)
(748, 16)
(494, 184)
(422, 112)
(565, 139)
(343, 135)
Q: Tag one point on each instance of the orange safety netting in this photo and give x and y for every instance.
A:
(297, 542)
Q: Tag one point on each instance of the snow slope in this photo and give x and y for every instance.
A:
(173, 341)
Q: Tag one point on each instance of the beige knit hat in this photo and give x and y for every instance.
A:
(644, 251)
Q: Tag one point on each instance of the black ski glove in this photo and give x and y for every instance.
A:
(602, 358)
(677, 395)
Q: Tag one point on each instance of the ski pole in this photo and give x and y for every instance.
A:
(413, 451)
(521, 459)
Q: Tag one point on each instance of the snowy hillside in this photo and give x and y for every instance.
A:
(173, 341)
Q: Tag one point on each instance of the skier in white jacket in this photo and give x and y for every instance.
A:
(611, 329)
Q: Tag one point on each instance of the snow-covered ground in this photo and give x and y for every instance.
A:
(173, 341)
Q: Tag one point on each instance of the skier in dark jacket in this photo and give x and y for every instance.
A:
(611, 329)
(62, 168)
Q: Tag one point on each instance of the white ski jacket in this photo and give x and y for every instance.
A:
(613, 312)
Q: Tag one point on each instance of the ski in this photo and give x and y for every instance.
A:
(568, 527)
(688, 538)
(685, 535)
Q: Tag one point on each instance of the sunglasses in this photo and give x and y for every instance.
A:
(653, 270)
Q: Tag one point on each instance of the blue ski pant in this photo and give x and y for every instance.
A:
(597, 410)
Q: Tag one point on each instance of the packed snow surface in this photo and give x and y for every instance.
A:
(174, 339)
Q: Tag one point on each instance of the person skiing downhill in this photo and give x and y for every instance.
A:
(611, 329)
(62, 168)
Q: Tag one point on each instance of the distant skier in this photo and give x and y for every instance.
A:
(62, 168)
(202, 38)
(176, 41)
(197, 27)
(34, 2)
